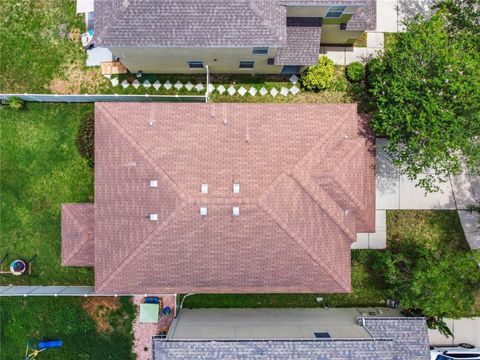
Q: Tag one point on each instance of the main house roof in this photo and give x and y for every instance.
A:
(208, 23)
(305, 188)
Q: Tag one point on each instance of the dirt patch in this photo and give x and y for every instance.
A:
(99, 309)
(78, 79)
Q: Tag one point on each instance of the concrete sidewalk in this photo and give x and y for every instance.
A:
(465, 331)
(395, 191)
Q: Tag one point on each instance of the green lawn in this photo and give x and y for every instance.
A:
(437, 228)
(65, 318)
(40, 169)
(34, 45)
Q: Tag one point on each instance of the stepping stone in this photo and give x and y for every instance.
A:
(157, 85)
(252, 91)
(231, 90)
(167, 85)
(274, 92)
(146, 84)
(114, 81)
(189, 86)
(125, 84)
(242, 91)
(210, 88)
(293, 79)
(284, 91)
(136, 84)
(263, 91)
(221, 89)
(199, 87)
(178, 85)
(294, 90)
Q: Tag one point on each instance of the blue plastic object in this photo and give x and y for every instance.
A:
(167, 311)
(152, 300)
(49, 344)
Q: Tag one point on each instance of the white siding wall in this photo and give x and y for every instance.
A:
(175, 60)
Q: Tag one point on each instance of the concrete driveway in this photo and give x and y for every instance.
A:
(392, 13)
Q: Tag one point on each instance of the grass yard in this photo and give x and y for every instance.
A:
(90, 328)
(40, 168)
(437, 228)
(41, 51)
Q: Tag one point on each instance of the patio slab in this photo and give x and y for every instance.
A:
(375, 40)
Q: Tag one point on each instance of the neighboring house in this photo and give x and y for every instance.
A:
(224, 198)
(230, 36)
(338, 334)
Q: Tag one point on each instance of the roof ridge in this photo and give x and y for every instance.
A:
(305, 183)
(139, 248)
(131, 140)
(322, 141)
(302, 245)
(82, 228)
(340, 184)
(267, 20)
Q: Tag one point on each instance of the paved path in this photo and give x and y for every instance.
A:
(465, 331)
(396, 192)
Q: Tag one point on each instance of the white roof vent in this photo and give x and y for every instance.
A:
(203, 211)
(236, 211)
(236, 188)
(204, 188)
(153, 183)
(153, 217)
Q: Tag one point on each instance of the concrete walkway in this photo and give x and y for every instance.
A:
(396, 192)
(465, 331)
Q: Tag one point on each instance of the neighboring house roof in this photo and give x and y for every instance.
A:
(364, 19)
(306, 175)
(190, 23)
(208, 23)
(303, 42)
(77, 235)
(395, 338)
(410, 335)
(363, 349)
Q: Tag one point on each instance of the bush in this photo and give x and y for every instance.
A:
(85, 138)
(319, 76)
(356, 72)
(15, 103)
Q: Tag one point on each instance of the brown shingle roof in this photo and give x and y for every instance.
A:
(77, 235)
(306, 188)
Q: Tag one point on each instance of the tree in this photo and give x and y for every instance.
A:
(429, 282)
(461, 15)
(426, 95)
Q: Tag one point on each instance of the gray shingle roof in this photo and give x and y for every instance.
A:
(207, 23)
(303, 42)
(398, 338)
(190, 23)
(364, 19)
(365, 349)
(410, 336)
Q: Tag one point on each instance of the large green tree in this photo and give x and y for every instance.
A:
(426, 95)
(435, 283)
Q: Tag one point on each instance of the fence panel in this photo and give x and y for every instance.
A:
(105, 98)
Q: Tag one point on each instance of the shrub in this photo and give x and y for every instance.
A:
(356, 72)
(85, 138)
(15, 103)
(319, 76)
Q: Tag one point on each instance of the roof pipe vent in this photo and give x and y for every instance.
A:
(153, 217)
(203, 211)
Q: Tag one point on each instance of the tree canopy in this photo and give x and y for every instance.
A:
(426, 96)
